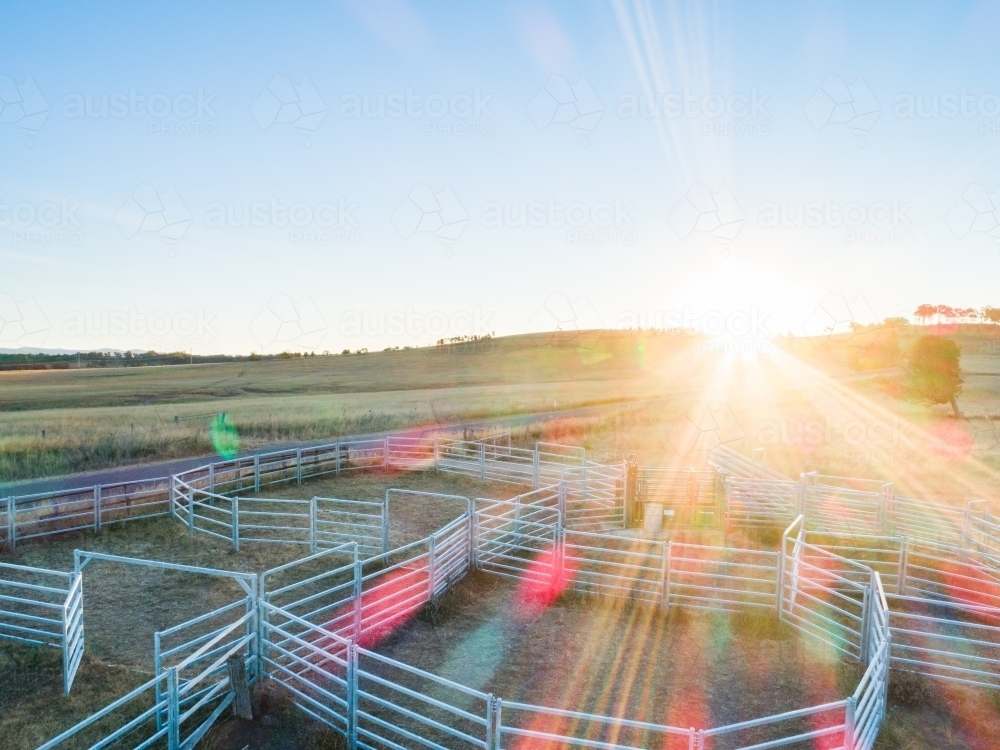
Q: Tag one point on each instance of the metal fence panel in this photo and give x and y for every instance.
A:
(339, 521)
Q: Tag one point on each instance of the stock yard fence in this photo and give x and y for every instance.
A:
(44, 608)
(211, 499)
(315, 635)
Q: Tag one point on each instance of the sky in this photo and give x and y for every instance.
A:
(228, 178)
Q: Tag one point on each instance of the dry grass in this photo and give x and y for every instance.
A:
(99, 418)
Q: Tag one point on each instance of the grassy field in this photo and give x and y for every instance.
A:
(54, 422)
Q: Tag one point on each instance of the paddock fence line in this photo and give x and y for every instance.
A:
(44, 608)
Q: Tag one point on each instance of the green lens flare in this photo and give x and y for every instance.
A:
(225, 439)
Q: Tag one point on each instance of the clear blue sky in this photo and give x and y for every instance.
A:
(656, 154)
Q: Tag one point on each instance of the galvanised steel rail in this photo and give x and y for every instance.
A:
(44, 608)
(813, 587)
(36, 516)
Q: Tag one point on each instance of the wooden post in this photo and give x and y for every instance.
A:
(298, 466)
(256, 474)
(238, 684)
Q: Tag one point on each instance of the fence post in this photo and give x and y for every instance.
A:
(904, 553)
(866, 616)
(430, 568)
(336, 460)
(313, 546)
(385, 455)
(352, 695)
(11, 523)
(665, 575)
(157, 688)
(357, 600)
(561, 518)
(97, 508)
(497, 723)
(781, 576)
(482, 461)
(236, 523)
(211, 479)
(488, 739)
(173, 711)
(534, 468)
(256, 473)
(437, 454)
(385, 524)
(800, 499)
(298, 466)
(472, 539)
(849, 724)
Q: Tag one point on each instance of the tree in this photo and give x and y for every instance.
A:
(923, 312)
(933, 372)
(992, 314)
